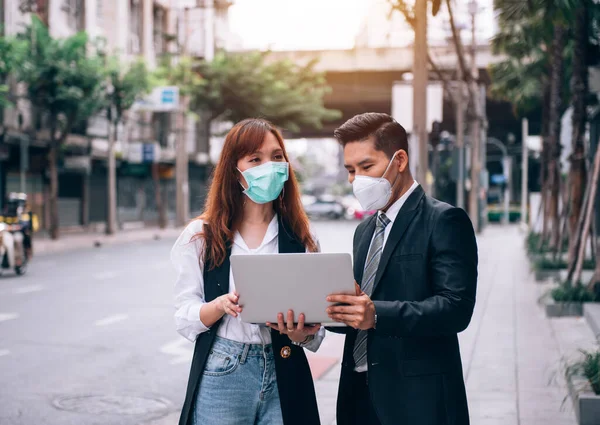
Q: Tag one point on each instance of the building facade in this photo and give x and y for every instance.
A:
(145, 147)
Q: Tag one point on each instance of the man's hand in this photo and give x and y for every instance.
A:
(358, 313)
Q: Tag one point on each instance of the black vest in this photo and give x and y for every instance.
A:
(294, 379)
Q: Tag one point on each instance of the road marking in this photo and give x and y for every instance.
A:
(4, 353)
(8, 316)
(181, 349)
(105, 275)
(111, 319)
(161, 265)
(28, 289)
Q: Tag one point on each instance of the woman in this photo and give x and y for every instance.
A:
(243, 373)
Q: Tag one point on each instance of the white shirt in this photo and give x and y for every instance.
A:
(394, 209)
(186, 257)
(391, 213)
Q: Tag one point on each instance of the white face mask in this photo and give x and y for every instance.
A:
(373, 193)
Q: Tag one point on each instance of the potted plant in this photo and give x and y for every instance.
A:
(567, 299)
(583, 379)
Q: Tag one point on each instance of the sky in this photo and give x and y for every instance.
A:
(327, 24)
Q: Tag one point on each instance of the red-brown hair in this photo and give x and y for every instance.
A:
(224, 205)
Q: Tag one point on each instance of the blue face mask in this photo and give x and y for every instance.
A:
(266, 181)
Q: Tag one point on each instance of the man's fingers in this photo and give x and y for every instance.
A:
(343, 309)
(357, 289)
(290, 320)
(344, 299)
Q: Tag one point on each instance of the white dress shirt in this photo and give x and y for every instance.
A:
(394, 209)
(186, 257)
(391, 213)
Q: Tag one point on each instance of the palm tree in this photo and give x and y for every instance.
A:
(543, 26)
(579, 90)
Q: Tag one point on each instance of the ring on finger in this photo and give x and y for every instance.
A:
(290, 330)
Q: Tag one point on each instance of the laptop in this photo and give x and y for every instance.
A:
(275, 283)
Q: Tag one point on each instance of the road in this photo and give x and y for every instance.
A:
(88, 337)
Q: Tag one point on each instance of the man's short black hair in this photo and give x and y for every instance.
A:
(388, 134)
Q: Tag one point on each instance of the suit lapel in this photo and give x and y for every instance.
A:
(405, 216)
(363, 249)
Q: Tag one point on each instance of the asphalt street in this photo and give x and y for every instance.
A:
(88, 337)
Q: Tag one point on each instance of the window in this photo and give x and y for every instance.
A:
(75, 14)
(161, 123)
(99, 12)
(1, 18)
(135, 27)
(159, 16)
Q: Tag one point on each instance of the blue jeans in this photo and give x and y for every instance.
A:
(238, 386)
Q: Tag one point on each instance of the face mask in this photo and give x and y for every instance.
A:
(266, 181)
(373, 193)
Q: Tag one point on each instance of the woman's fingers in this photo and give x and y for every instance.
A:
(281, 326)
(290, 321)
(300, 322)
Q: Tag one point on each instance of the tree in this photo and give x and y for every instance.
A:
(536, 34)
(126, 84)
(11, 57)
(474, 115)
(65, 83)
(235, 86)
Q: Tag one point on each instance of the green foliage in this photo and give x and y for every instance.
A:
(12, 51)
(551, 264)
(587, 367)
(63, 78)
(566, 292)
(128, 83)
(235, 86)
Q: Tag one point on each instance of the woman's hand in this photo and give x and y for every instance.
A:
(228, 304)
(297, 333)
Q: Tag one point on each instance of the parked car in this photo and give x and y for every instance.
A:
(354, 211)
(325, 207)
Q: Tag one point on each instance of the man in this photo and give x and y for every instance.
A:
(416, 264)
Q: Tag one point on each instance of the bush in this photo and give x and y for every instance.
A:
(550, 264)
(588, 367)
(533, 240)
(567, 292)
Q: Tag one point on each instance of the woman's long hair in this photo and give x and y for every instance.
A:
(223, 211)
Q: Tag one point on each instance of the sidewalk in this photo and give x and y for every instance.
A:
(511, 353)
(43, 245)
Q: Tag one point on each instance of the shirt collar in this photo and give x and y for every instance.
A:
(395, 208)
(272, 233)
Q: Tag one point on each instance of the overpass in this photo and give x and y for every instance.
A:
(384, 59)
(361, 80)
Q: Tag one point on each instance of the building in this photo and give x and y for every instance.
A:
(130, 28)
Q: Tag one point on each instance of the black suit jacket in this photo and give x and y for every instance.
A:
(424, 296)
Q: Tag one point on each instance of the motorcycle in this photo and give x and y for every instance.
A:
(12, 252)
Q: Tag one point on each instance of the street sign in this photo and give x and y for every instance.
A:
(143, 153)
(147, 152)
(162, 99)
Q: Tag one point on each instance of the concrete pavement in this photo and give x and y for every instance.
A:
(88, 338)
(513, 356)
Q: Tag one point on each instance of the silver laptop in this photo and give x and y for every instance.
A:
(274, 283)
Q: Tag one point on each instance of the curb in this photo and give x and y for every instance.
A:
(95, 240)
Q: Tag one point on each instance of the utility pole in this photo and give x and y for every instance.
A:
(475, 130)
(420, 81)
(524, 173)
(182, 197)
(460, 141)
(111, 213)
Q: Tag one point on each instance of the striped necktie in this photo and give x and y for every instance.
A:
(371, 266)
